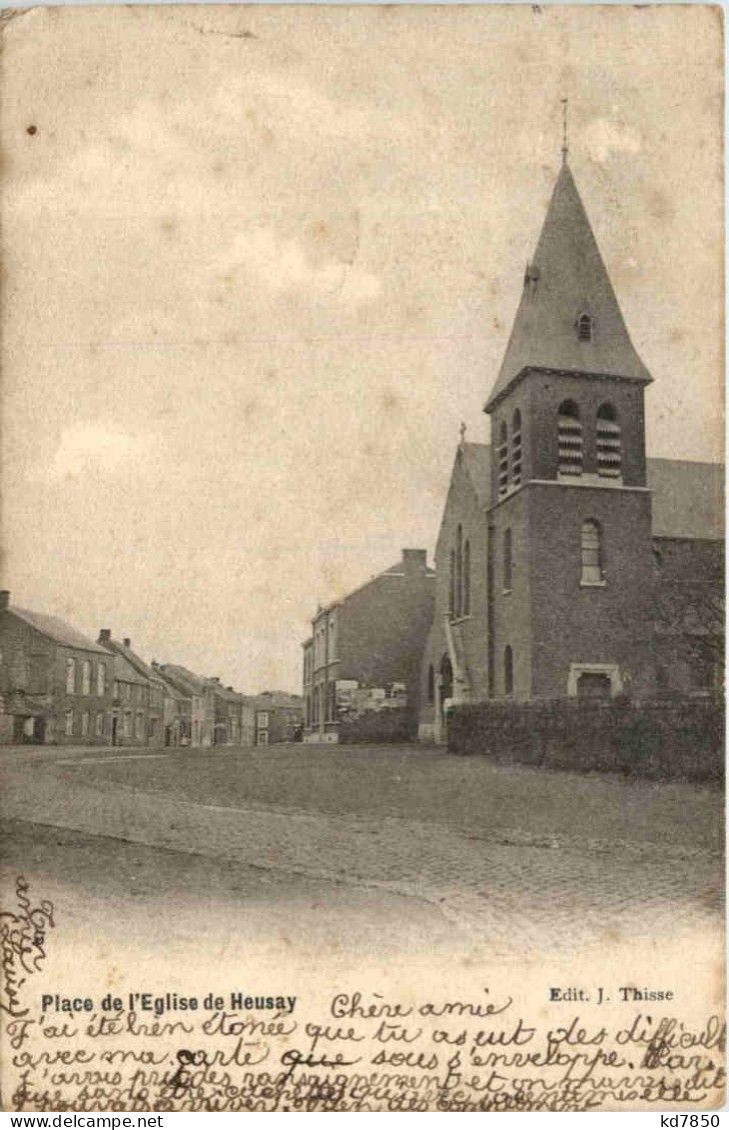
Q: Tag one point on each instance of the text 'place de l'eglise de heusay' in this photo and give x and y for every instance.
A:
(570, 568)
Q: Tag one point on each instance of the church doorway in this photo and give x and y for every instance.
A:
(446, 688)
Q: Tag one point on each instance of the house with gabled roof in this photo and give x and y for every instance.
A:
(147, 708)
(131, 694)
(56, 685)
(200, 715)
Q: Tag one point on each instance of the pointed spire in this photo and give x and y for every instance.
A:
(566, 280)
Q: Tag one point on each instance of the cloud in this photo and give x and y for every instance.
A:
(282, 265)
(603, 137)
(92, 449)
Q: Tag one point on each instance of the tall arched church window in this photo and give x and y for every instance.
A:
(431, 684)
(516, 448)
(508, 561)
(569, 439)
(508, 670)
(607, 435)
(467, 578)
(459, 571)
(584, 327)
(503, 454)
(591, 554)
(452, 584)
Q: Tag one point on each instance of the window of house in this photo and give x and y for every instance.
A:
(127, 725)
(508, 670)
(467, 578)
(508, 561)
(70, 676)
(99, 725)
(516, 448)
(503, 457)
(69, 722)
(116, 689)
(139, 726)
(569, 439)
(607, 441)
(431, 684)
(263, 719)
(584, 327)
(85, 719)
(86, 677)
(101, 680)
(591, 554)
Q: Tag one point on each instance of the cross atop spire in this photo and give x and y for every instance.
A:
(462, 430)
(565, 146)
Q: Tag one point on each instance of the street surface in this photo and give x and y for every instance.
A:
(388, 850)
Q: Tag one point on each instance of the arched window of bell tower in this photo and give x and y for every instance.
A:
(569, 439)
(584, 327)
(608, 442)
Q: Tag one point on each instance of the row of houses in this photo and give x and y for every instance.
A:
(58, 686)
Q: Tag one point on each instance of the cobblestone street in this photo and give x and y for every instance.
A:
(515, 860)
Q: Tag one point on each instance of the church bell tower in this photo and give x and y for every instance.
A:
(570, 512)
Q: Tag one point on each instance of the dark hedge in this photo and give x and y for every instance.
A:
(663, 740)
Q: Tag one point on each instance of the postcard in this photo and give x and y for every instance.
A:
(361, 622)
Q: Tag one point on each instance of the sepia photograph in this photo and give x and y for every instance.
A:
(362, 601)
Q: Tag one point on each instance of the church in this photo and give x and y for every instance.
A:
(568, 563)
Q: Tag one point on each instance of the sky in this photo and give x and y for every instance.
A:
(261, 262)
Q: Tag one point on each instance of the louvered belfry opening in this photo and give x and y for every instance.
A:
(516, 449)
(503, 460)
(608, 443)
(569, 439)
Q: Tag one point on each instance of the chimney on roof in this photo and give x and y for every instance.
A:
(228, 688)
(127, 642)
(104, 635)
(414, 562)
